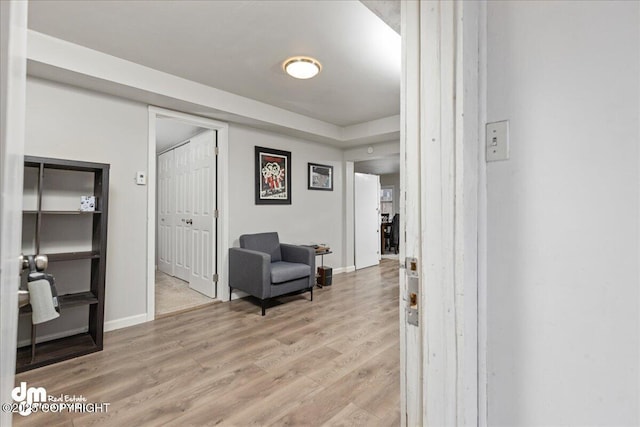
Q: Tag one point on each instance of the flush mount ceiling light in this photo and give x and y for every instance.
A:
(301, 67)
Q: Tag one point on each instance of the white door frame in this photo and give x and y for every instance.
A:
(223, 200)
(440, 171)
(13, 75)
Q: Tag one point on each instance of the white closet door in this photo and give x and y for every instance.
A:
(203, 174)
(367, 220)
(183, 200)
(166, 212)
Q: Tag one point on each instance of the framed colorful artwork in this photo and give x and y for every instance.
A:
(273, 176)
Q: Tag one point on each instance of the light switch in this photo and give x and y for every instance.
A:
(141, 178)
(498, 141)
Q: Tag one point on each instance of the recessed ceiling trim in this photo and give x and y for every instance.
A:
(63, 58)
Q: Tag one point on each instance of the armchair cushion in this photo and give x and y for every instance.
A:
(285, 271)
(268, 243)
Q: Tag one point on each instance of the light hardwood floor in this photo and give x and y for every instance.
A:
(333, 361)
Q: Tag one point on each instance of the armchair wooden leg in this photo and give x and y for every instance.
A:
(312, 293)
(230, 290)
(262, 304)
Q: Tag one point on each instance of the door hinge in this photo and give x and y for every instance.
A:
(217, 151)
(216, 213)
(215, 277)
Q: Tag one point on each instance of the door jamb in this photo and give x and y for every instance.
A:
(222, 227)
(13, 70)
(445, 381)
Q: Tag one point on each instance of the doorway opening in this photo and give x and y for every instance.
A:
(186, 192)
(187, 196)
(385, 225)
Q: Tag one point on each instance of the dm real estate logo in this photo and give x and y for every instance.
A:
(27, 397)
(27, 400)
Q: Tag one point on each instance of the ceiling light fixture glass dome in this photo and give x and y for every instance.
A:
(302, 67)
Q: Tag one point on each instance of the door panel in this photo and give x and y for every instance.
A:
(166, 212)
(182, 200)
(367, 220)
(203, 174)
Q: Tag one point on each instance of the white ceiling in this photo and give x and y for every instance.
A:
(383, 166)
(170, 132)
(239, 46)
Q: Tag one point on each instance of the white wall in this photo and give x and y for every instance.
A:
(379, 151)
(313, 216)
(563, 214)
(71, 123)
(68, 123)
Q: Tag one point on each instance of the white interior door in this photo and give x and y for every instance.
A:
(166, 163)
(367, 220)
(203, 173)
(183, 201)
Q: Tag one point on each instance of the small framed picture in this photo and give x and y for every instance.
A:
(320, 177)
(273, 176)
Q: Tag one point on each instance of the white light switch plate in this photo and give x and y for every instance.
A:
(498, 141)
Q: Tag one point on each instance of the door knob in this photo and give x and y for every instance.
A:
(189, 221)
(42, 262)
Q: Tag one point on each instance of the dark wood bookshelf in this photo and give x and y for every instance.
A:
(70, 300)
(55, 351)
(70, 212)
(79, 298)
(71, 256)
(74, 345)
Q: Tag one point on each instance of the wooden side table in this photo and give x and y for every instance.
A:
(321, 254)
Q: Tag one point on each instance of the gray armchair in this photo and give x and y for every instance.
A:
(265, 268)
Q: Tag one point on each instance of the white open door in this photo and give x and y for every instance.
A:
(183, 201)
(202, 220)
(166, 235)
(367, 220)
(13, 73)
(439, 213)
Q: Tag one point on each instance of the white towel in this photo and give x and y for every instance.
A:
(41, 301)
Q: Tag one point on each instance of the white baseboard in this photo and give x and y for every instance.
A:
(341, 270)
(112, 325)
(237, 294)
(54, 336)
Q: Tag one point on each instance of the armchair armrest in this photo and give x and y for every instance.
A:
(301, 254)
(250, 271)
